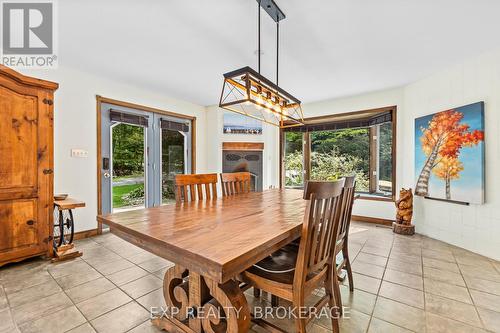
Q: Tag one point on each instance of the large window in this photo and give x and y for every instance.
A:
(360, 144)
(294, 159)
(341, 152)
(384, 158)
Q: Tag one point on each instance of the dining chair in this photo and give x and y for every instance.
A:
(341, 245)
(195, 187)
(293, 274)
(235, 183)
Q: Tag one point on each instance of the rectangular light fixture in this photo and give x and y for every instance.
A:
(247, 92)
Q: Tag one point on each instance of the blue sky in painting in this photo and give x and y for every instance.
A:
(469, 187)
(235, 120)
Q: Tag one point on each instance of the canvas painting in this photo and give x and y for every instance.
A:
(449, 154)
(235, 123)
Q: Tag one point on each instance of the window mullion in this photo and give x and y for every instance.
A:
(307, 156)
(373, 159)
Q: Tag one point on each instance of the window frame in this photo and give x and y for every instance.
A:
(372, 195)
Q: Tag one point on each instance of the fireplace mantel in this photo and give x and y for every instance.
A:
(244, 146)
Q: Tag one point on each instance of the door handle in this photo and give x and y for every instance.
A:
(30, 222)
(106, 175)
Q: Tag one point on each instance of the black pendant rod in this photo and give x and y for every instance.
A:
(259, 35)
(277, 50)
(277, 15)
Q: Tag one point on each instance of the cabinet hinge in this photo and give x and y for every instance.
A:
(48, 239)
(48, 101)
(47, 171)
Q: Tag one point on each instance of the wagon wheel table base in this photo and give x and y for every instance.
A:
(64, 248)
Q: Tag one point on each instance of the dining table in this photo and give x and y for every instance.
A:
(211, 242)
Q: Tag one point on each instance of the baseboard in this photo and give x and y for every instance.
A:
(369, 219)
(85, 234)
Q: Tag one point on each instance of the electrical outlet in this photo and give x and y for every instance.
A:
(81, 153)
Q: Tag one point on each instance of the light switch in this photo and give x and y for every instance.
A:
(81, 153)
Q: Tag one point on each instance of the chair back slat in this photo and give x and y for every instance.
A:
(207, 191)
(348, 201)
(190, 187)
(235, 183)
(214, 189)
(320, 227)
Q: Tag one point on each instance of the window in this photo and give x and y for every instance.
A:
(384, 158)
(327, 148)
(341, 152)
(294, 160)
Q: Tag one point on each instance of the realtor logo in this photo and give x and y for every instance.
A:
(28, 34)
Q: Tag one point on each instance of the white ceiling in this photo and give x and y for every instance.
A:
(329, 48)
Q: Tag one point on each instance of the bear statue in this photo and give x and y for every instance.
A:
(404, 213)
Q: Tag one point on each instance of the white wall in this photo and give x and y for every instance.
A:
(370, 208)
(474, 227)
(75, 127)
(215, 137)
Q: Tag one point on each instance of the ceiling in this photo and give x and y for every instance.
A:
(329, 48)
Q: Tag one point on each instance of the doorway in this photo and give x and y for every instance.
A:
(140, 151)
(127, 166)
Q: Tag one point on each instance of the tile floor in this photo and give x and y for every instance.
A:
(402, 284)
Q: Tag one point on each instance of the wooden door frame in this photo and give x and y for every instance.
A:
(99, 101)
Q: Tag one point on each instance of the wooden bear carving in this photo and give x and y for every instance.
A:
(404, 207)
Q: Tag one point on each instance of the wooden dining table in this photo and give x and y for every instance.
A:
(211, 242)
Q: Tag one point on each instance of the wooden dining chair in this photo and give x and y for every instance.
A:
(341, 245)
(294, 273)
(195, 187)
(235, 183)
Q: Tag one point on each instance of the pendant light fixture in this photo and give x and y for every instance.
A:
(247, 92)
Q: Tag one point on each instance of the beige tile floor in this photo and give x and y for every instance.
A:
(402, 284)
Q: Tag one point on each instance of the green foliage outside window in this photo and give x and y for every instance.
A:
(333, 154)
(385, 152)
(326, 166)
(128, 150)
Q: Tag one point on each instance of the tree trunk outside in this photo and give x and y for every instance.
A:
(448, 189)
(422, 187)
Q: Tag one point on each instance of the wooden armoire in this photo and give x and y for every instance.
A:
(26, 166)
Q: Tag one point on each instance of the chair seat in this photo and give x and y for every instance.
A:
(279, 266)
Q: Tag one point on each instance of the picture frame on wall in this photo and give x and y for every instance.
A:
(450, 155)
(234, 123)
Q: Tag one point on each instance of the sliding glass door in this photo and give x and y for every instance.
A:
(174, 139)
(128, 164)
(141, 154)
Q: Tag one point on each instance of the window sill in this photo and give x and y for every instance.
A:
(360, 196)
(374, 197)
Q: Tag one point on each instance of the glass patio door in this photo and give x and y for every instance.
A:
(141, 154)
(174, 154)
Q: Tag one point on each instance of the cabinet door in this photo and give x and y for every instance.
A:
(25, 152)
(19, 225)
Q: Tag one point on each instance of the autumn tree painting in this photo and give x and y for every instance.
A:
(448, 169)
(442, 140)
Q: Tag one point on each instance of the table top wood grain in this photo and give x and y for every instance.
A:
(69, 203)
(217, 238)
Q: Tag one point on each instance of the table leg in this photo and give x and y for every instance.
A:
(202, 305)
(230, 307)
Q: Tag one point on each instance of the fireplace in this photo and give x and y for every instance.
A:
(244, 156)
